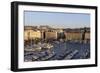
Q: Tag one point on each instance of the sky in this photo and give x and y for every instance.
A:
(56, 19)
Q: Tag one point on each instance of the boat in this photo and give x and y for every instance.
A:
(35, 58)
(37, 48)
(47, 46)
(71, 54)
(48, 57)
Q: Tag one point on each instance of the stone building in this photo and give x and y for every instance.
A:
(87, 36)
(31, 34)
(73, 35)
(50, 35)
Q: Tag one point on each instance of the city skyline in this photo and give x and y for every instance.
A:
(56, 19)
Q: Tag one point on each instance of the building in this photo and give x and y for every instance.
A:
(47, 33)
(30, 27)
(27, 34)
(35, 34)
(51, 35)
(44, 27)
(82, 35)
(73, 35)
(87, 36)
(31, 34)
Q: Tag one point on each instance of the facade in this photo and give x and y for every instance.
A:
(87, 36)
(50, 35)
(73, 35)
(35, 34)
(45, 33)
(27, 34)
(31, 34)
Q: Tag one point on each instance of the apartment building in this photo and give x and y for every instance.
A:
(73, 35)
(51, 35)
(31, 34)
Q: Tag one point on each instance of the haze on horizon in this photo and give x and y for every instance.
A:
(56, 19)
